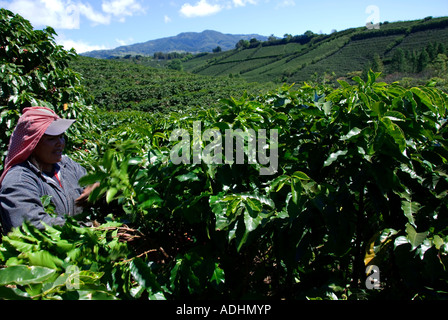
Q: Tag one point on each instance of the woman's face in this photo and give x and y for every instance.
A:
(49, 151)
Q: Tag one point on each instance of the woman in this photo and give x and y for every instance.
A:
(35, 166)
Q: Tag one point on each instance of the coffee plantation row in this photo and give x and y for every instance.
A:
(356, 208)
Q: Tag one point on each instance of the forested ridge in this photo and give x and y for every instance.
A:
(299, 58)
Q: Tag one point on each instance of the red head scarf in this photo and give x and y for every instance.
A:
(29, 130)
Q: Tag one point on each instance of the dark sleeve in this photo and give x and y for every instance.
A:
(20, 201)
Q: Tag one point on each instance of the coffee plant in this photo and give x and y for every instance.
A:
(360, 186)
(34, 71)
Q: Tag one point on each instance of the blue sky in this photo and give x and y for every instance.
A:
(104, 24)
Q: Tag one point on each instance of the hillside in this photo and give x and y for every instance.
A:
(399, 50)
(119, 85)
(193, 42)
(298, 58)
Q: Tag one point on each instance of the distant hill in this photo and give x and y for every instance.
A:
(120, 84)
(343, 53)
(193, 42)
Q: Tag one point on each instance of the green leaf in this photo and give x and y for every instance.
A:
(191, 176)
(221, 222)
(43, 258)
(327, 106)
(415, 238)
(251, 222)
(296, 190)
(277, 184)
(144, 275)
(240, 234)
(21, 246)
(8, 293)
(438, 242)
(46, 200)
(253, 204)
(300, 175)
(265, 200)
(359, 80)
(95, 294)
(352, 133)
(110, 194)
(395, 132)
(218, 276)
(410, 209)
(344, 84)
(400, 241)
(378, 107)
(108, 160)
(25, 275)
(234, 205)
(424, 98)
(378, 244)
(148, 200)
(395, 116)
(334, 156)
(92, 178)
(364, 99)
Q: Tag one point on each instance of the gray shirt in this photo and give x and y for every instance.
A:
(23, 187)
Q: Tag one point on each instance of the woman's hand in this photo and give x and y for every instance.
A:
(84, 197)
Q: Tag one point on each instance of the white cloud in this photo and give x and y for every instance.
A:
(242, 3)
(121, 8)
(167, 19)
(286, 3)
(122, 42)
(66, 14)
(200, 9)
(205, 7)
(80, 46)
(92, 15)
(55, 13)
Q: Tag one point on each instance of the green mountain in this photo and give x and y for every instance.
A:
(193, 42)
(396, 46)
